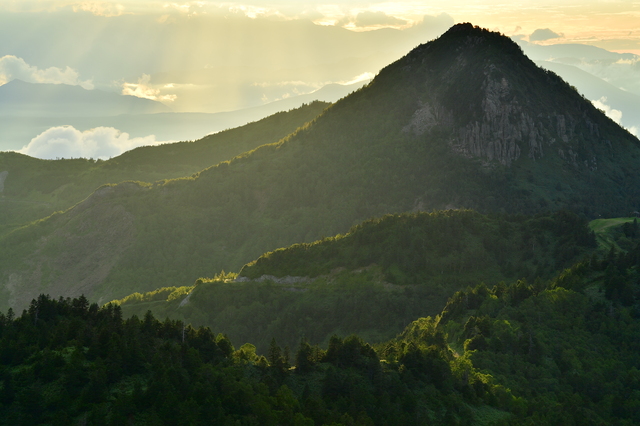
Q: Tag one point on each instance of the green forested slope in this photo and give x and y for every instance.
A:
(570, 350)
(35, 188)
(561, 352)
(452, 244)
(67, 362)
(618, 232)
(375, 279)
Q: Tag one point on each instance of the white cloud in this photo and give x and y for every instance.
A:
(315, 85)
(68, 142)
(143, 89)
(371, 19)
(253, 12)
(364, 77)
(12, 67)
(614, 114)
(275, 91)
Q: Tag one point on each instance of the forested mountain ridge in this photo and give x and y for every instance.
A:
(462, 121)
(373, 280)
(570, 350)
(33, 188)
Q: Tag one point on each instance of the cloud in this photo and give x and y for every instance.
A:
(370, 19)
(143, 89)
(254, 12)
(432, 26)
(99, 8)
(12, 67)
(68, 142)
(614, 114)
(310, 15)
(275, 91)
(364, 77)
(542, 34)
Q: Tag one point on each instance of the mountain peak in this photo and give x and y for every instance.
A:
(494, 103)
(465, 29)
(469, 30)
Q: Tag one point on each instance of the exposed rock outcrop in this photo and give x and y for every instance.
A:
(497, 115)
(427, 116)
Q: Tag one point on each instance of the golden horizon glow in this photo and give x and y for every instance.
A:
(613, 24)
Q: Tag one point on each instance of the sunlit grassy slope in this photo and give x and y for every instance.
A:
(606, 230)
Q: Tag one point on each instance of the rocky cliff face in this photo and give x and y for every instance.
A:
(507, 131)
(512, 109)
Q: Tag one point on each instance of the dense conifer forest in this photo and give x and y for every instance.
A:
(563, 351)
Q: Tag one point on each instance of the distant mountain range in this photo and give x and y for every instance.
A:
(594, 89)
(21, 123)
(571, 51)
(464, 121)
(20, 99)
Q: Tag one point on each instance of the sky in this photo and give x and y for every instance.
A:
(605, 23)
(210, 56)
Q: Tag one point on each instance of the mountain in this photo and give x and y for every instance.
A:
(35, 188)
(618, 69)
(20, 99)
(572, 51)
(465, 120)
